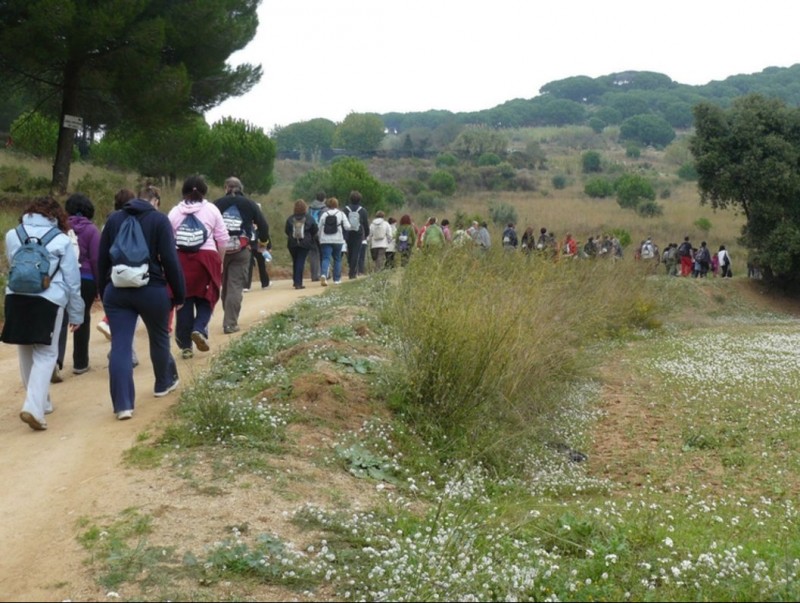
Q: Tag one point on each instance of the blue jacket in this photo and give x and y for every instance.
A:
(65, 286)
(157, 229)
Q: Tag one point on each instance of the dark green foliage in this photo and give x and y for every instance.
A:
(446, 160)
(591, 162)
(599, 188)
(649, 209)
(746, 158)
(647, 129)
(359, 133)
(442, 182)
(114, 61)
(559, 181)
(238, 148)
(307, 185)
(35, 134)
(703, 224)
(489, 159)
(597, 125)
(633, 189)
(429, 200)
(688, 171)
(310, 138)
(633, 151)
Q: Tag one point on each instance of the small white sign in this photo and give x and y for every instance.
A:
(73, 122)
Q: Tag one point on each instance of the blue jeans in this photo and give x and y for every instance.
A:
(123, 307)
(193, 316)
(332, 250)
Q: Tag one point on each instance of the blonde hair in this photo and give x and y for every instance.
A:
(332, 202)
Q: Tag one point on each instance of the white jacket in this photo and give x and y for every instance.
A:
(380, 234)
(65, 287)
(342, 223)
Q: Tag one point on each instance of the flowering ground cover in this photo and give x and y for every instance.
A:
(685, 489)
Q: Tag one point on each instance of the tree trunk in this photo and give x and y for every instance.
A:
(66, 136)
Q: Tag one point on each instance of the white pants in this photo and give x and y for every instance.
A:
(36, 364)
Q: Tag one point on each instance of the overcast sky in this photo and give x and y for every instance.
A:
(328, 58)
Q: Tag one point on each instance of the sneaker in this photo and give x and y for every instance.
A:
(337, 282)
(135, 360)
(103, 327)
(245, 290)
(265, 286)
(80, 371)
(229, 330)
(169, 390)
(56, 376)
(200, 340)
(323, 281)
(35, 423)
(187, 353)
(123, 415)
(48, 410)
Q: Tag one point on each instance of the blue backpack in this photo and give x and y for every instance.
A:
(130, 255)
(191, 234)
(30, 266)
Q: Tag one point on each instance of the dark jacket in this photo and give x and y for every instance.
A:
(364, 219)
(251, 214)
(310, 230)
(164, 266)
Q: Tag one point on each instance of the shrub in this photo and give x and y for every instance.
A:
(599, 188)
(101, 191)
(649, 209)
(502, 213)
(591, 162)
(688, 171)
(443, 182)
(632, 189)
(703, 224)
(633, 151)
(429, 200)
(36, 134)
(596, 124)
(559, 181)
(489, 159)
(13, 179)
(446, 160)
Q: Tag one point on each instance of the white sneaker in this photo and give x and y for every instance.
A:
(124, 415)
(324, 281)
(103, 327)
(170, 389)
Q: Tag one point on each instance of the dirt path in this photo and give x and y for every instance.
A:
(48, 480)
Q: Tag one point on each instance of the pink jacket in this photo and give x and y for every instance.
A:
(209, 215)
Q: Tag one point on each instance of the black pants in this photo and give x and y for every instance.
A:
(354, 251)
(263, 275)
(80, 338)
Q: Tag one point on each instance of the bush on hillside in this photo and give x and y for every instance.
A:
(591, 162)
(599, 188)
(502, 213)
(442, 182)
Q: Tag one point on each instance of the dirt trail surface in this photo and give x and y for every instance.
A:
(50, 479)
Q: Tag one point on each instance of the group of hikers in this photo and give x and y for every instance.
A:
(159, 269)
(143, 265)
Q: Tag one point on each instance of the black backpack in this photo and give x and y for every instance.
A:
(331, 224)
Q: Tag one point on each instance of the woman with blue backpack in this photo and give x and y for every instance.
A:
(43, 289)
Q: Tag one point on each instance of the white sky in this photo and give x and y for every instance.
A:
(328, 58)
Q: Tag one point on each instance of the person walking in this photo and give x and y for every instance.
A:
(80, 212)
(201, 237)
(301, 231)
(33, 318)
(152, 302)
(241, 215)
(333, 225)
(356, 234)
(405, 238)
(315, 208)
(724, 262)
(258, 259)
(379, 237)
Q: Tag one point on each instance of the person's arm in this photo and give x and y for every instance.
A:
(261, 224)
(104, 259)
(168, 255)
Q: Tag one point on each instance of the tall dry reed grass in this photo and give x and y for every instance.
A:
(489, 341)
